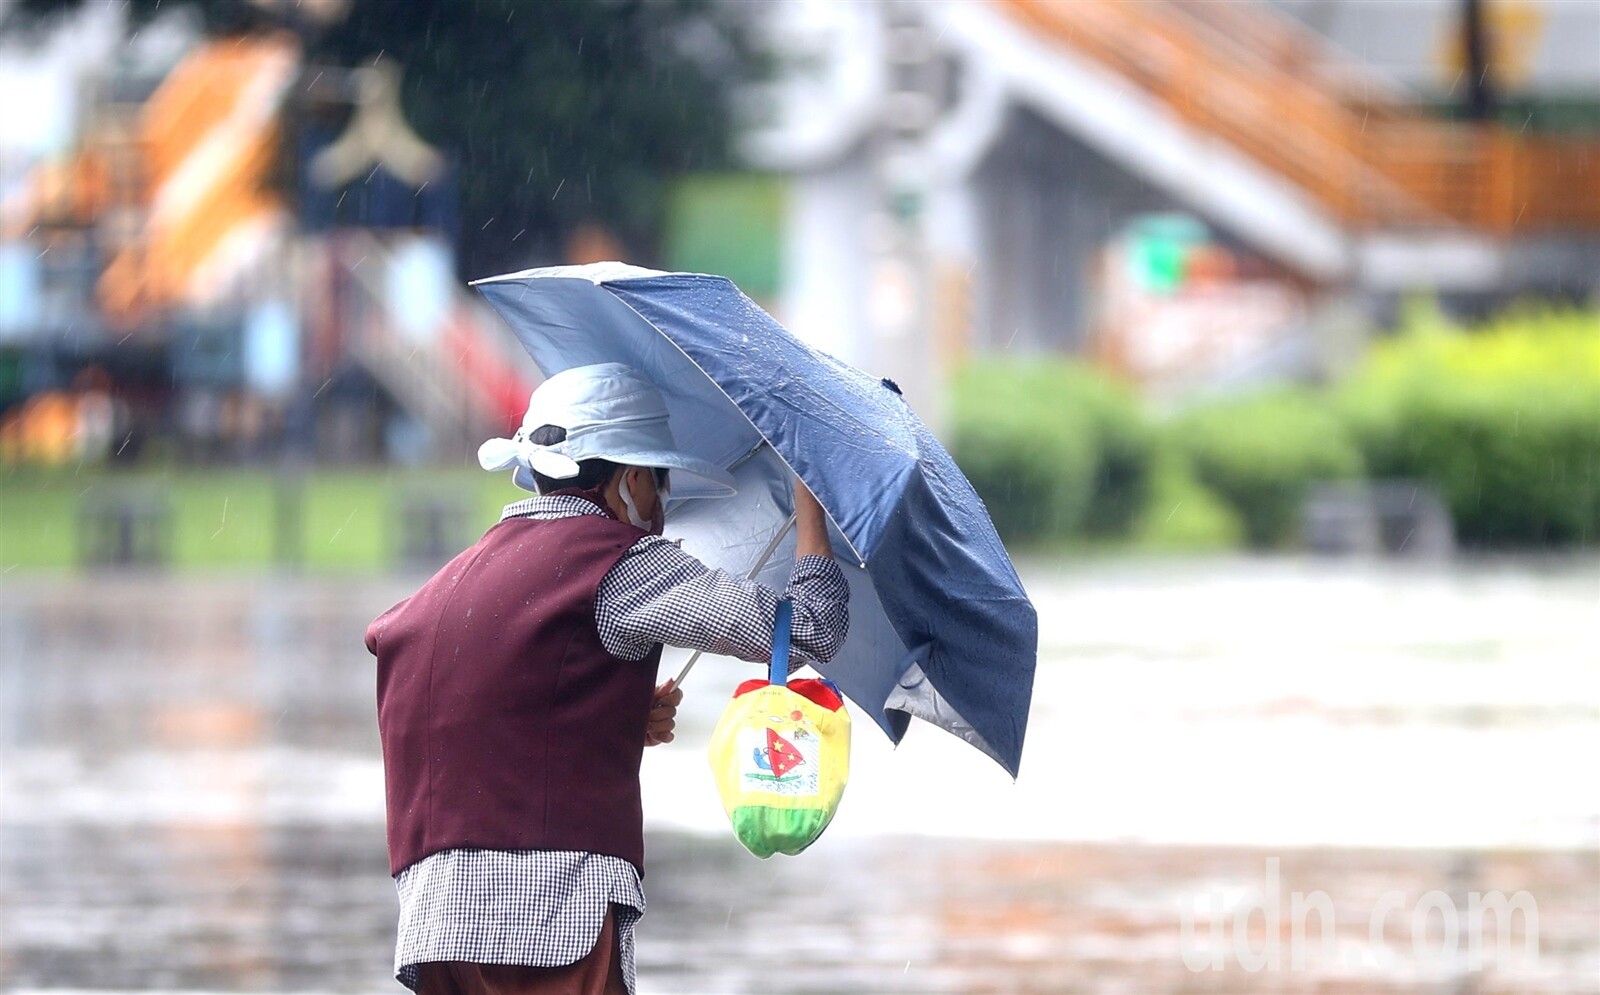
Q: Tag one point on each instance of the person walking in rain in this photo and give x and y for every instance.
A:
(517, 690)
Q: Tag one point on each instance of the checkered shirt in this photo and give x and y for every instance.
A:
(545, 908)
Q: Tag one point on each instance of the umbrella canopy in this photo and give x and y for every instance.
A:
(940, 626)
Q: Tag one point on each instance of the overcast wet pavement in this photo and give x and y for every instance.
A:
(191, 794)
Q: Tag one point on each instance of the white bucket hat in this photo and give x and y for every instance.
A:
(610, 411)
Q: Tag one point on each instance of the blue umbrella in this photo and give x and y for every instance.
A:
(940, 627)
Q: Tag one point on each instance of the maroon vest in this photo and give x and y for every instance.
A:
(505, 723)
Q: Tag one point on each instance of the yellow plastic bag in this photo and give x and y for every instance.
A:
(781, 756)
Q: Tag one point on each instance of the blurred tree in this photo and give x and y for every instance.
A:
(560, 113)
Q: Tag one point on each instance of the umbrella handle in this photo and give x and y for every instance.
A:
(766, 554)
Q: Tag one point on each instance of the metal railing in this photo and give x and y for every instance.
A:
(1238, 73)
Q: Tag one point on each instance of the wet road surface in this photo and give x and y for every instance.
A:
(191, 796)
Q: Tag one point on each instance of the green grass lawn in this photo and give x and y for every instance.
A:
(326, 520)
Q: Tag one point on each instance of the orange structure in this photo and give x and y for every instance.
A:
(207, 140)
(1258, 82)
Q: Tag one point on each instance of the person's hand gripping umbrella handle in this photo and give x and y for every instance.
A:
(811, 540)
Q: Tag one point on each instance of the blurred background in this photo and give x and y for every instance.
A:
(1268, 330)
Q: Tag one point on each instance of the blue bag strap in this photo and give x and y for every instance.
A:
(780, 643)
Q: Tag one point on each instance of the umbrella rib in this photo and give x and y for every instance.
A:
(766, 554)
(747, 457)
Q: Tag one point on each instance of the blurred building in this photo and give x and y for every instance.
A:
(1194, 191)
(252, 254)
(248, 253)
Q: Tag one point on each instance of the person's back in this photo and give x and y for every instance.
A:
(496, 696)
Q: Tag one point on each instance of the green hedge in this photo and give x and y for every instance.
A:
(1058, 450)
(1125, 444)
(1261, 453)
(1029, 456)
(1054, 448)
(1503, 420)
(1182, 514)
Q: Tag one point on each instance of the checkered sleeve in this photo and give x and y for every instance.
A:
(657, 593)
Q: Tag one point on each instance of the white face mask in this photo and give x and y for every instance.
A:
(653, 525)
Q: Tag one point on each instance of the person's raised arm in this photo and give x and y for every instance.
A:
(660, 594)
(810, 523)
